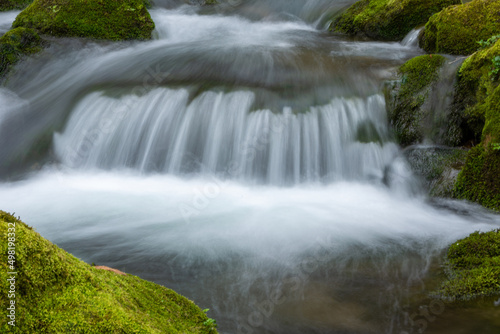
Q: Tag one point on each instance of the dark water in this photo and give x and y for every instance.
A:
(242, 158)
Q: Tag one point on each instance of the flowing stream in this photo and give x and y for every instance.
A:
(242, 158)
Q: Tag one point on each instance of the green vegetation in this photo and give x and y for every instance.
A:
(478, 96)
(457, 29)
(478, 181)
(472, 267)
(100, 19)
(387, 19)
(489, 42)
(495, 68)
(57, 293)
(15, 44)
(14, 4)
(418, 75)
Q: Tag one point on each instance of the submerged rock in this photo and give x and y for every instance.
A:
(387, 19)
(112, 20)
(57, 293)
(458, 29)
(437, 167)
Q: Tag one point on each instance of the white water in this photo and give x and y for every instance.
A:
(264, 220)
(218, 133)
(411, 40)
(349, 249)
(234, 156)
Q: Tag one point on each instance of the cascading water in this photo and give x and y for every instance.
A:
(219, 133)
(242, 158)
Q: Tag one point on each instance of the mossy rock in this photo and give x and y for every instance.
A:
(478, 96)
(388, 20)
(405, 110)
(458, 29)
(472, 267)
(14, 4)
(479, 180)
(57, 293)
(100, 19)
(475, 84)
(16, 44)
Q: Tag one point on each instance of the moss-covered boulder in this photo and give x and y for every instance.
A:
(457, 29)
(479, 180)
(54, 292)
(14, 4)
(16, 44)
(407, 108)
(478, 97)
(100, 19)
(472, 267)
(387, 19)
(476, 83)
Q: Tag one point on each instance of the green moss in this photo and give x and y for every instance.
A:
(478, 97)
(387, 19)
(475, 87)
(472, 267)
(14, 4)
(100, 19)
(406, 115)
(479, 180)
(419, 72)
(458, 29)
(57, 293)
(15, 44)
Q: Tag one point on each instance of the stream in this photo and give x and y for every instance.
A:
(242, 158)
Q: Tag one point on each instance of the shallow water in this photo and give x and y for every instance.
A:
(242, 158)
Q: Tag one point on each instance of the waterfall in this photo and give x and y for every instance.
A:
(216, 132)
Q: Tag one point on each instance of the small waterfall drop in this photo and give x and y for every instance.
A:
(216, 132)
(411, 40)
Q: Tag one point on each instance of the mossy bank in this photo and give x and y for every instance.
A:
(387, 19)
(99, 19)
(472, 267)
(457, 29)
(54, 292)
